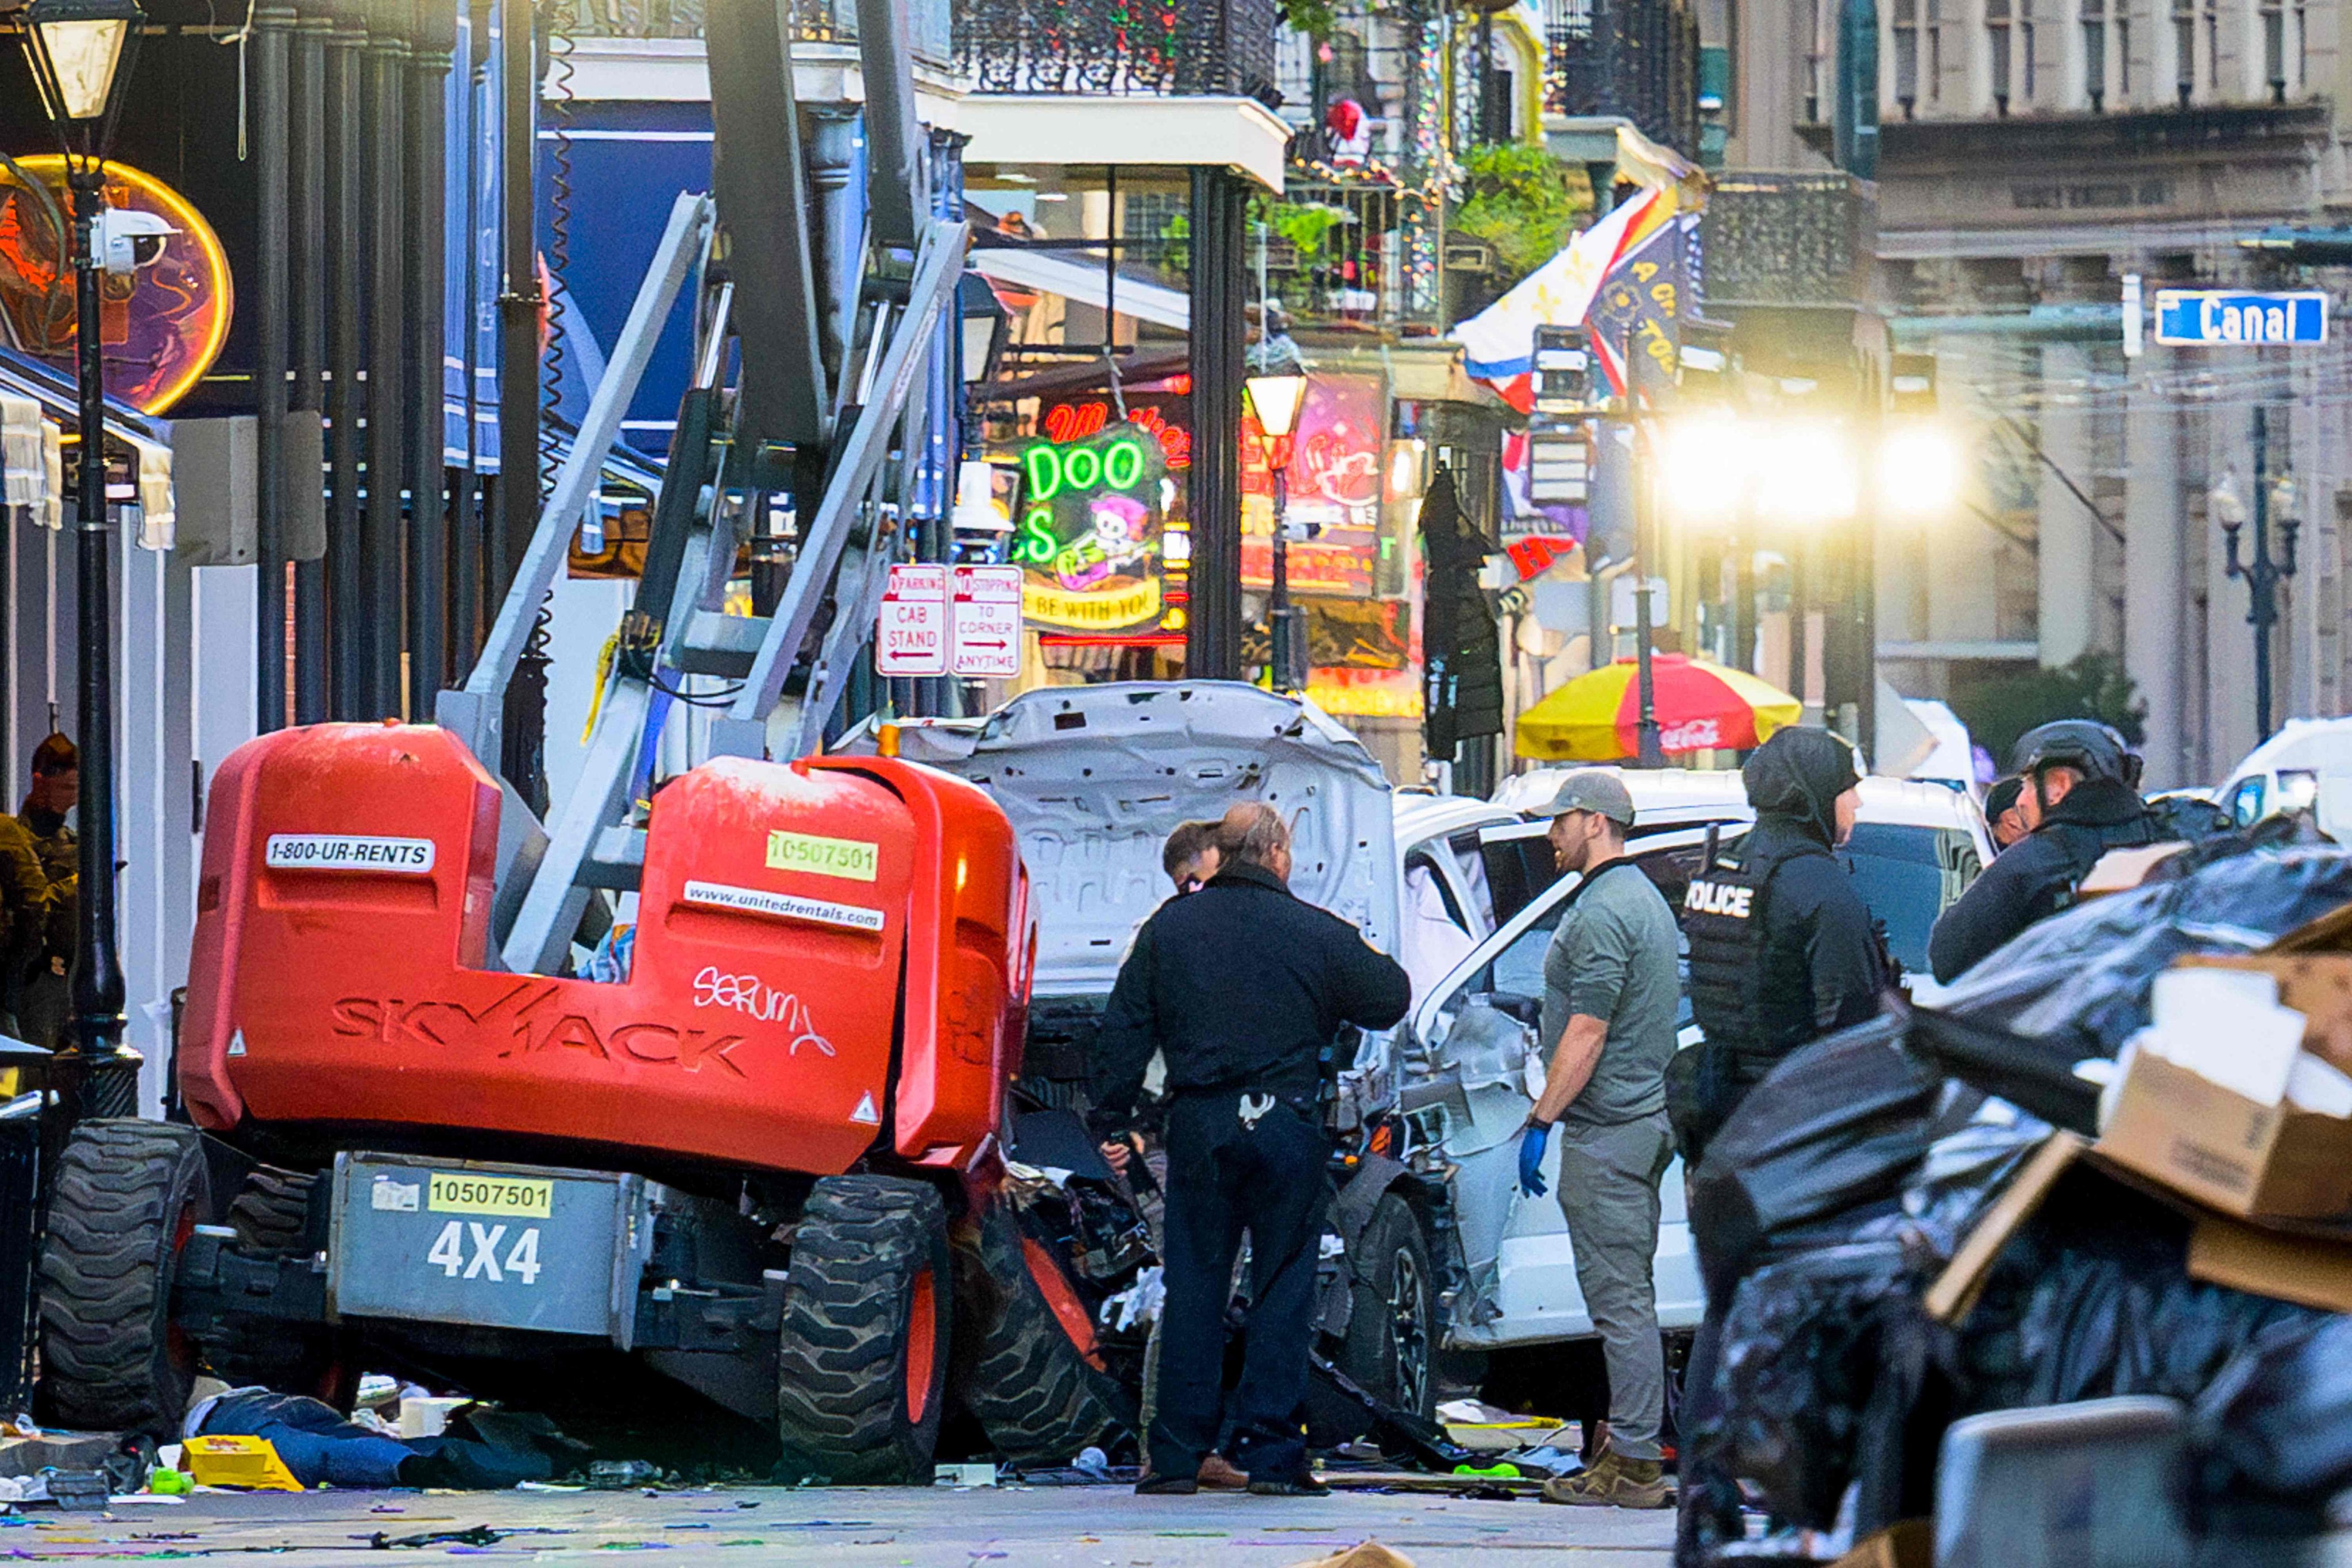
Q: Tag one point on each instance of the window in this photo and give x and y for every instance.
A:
(2273, 14)
(1997, 38)
(1906, 55)
(2184, 49)
(2094, 53)
(2025, 49)
(2246, 801)
(1908, 875)
(2122, 26)
(1816, 65)
(1935, 66)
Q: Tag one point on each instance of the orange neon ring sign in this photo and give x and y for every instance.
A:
(174, 316)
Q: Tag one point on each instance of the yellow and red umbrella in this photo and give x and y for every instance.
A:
(1701, 706)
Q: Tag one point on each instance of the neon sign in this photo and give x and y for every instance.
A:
(1089, 532)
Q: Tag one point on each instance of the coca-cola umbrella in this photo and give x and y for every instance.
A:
(1701, 706)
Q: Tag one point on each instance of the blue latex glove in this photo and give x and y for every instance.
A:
(1532, 1142)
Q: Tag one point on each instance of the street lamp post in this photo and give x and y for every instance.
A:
(80, 53)
(2262, 574)
(1275, 398)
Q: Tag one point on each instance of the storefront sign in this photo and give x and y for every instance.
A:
(1089, 535)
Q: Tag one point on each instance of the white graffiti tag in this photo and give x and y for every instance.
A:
(747, 993)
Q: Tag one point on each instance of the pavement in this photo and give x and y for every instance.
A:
(1082, 1527)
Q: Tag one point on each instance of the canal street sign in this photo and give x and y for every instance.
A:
(2202, 317)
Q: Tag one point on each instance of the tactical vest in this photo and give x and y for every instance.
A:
(2085, 845)
(1741, 1004)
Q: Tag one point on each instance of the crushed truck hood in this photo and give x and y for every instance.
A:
(1093, 779)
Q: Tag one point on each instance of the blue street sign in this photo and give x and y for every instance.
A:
(2205, 316)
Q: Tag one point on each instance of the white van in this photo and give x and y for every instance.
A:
(2306, 766)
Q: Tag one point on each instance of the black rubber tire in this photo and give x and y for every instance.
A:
(271, 1216)
(849, 1407)
(127, 1194)
(1039, 1399)
(1389, 1347)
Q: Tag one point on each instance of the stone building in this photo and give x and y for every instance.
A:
(2033, 154)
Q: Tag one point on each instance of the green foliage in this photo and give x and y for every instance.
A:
(1304, 225)
(1313, 17)
(2095, 686)
(1523, 202)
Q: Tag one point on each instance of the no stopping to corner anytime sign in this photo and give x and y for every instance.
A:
(2225, 317)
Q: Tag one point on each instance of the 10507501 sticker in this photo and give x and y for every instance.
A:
(852, 858)
(453, 1193)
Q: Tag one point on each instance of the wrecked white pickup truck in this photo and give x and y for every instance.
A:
(1431, 1249)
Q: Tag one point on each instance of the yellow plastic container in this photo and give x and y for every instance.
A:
(248, 1462)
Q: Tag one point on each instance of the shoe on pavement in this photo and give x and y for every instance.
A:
(1167, 1486)
(1218, 1475)
(1297, 1485)
(1612, 1481)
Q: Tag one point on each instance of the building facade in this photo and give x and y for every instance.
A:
(2034, 155)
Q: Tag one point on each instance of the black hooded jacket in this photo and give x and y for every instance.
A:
(1821, 951)
(2036, 876)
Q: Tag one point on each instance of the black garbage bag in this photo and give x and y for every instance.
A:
(1801, 1362)
(2092, 1297)
(2277, 1421)
(2079, 981)
(1841, 1124)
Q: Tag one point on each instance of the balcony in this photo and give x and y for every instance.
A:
(930, 23)
(1119, 47)
(1637, 58)
(1352, 256)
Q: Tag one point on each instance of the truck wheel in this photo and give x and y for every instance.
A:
(271, 1216)
(1036, 1383)
(128, 1194)
(1392, 1336)
(862, 1359)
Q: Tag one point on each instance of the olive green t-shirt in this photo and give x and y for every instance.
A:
(1613, 957)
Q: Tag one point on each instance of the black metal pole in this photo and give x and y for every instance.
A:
(309, 392)
(428, 530)
(1281, 634)
(1649, 750)
(2261, 582)
(1219, 290)
(111, 1085)
(524, 722)
(272, 36)
(519, 300)
(387, 339)
(353, 635)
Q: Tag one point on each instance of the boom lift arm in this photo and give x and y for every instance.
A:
(764, 415)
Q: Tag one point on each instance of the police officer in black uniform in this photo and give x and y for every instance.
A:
(2081, 799)
(1782, 950)
(1243, 987)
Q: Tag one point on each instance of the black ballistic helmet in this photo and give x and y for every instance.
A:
(2089, 747)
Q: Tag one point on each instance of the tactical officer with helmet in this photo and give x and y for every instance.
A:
(1783, 949)
(2081, 798)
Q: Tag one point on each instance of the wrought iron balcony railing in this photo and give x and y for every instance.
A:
(1126, 48)
(1353, 256)
(813, 22)
(1638, 58)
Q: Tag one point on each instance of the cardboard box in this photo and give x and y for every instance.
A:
(2318, 985)
(2308, 1271)
(2121, 870)
(2228, 1152)
(1909, 1544)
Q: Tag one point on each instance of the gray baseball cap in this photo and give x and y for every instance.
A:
(1594, 791)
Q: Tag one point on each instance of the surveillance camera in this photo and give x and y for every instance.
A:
(127, 241)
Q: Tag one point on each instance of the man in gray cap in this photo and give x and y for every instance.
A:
(1610, 995)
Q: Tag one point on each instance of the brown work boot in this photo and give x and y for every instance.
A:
(1612, 1481)
(1218, 1475)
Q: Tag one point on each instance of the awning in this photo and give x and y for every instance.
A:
(1052, 274)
